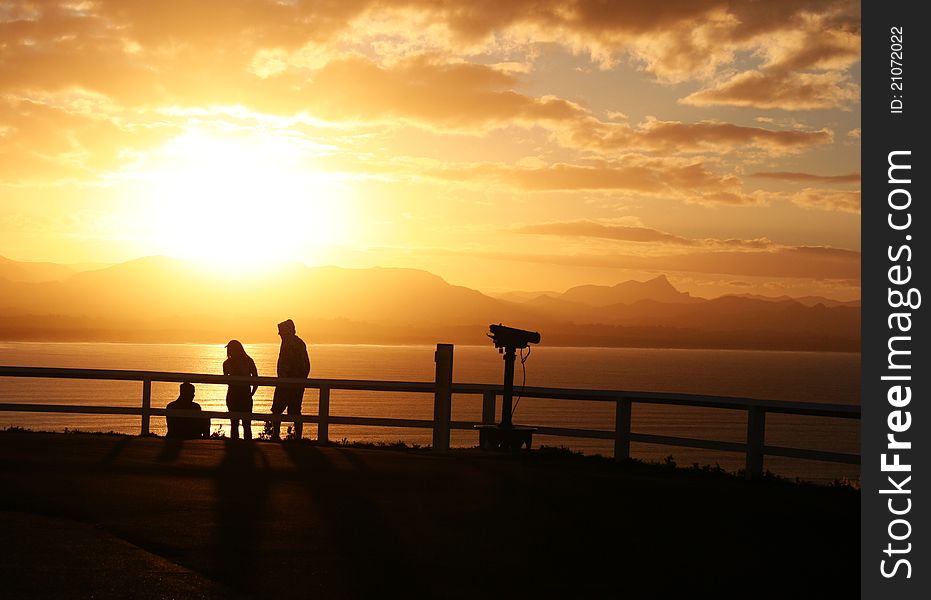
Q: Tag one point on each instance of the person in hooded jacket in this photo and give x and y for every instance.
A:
(293, 362)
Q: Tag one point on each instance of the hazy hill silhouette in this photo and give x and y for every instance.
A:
(522, 296)
(12, 270)
(164, 299)
(628, 292)
(803, 300)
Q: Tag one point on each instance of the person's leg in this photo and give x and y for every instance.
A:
(247, 423)
(294, 410)
(279, 402)
(234, 429)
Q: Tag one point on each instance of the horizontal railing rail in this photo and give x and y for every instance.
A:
(443, 389)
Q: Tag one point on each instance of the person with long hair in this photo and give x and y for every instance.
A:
(239, 395)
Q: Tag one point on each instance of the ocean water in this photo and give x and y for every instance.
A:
(827, 377)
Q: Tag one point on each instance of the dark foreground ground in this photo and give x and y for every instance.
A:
(122, 517)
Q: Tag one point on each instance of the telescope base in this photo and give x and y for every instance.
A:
(496, 437)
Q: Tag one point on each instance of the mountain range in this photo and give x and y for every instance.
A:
(159, 299)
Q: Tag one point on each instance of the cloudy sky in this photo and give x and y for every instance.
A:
(520, 144)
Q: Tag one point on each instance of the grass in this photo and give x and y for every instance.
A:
(398, 445)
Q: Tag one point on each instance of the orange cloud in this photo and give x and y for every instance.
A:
(451, 96)
(586, 228)
(667, 177)
(785, 90)
(131, 49)
(463, 97)
(43, 142)
(626, 233)
(792, 176)
(706, 136)
(840, 200)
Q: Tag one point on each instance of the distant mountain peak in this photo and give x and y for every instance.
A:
(658, 289)
(660, 282)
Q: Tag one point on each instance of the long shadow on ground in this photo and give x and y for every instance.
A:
(241, 491)
(298, 520)
(368, 557)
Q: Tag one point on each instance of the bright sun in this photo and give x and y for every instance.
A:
(242, 203)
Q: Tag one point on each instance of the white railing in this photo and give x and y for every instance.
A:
(442, 388)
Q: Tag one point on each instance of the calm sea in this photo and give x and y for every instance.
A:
(801, 376)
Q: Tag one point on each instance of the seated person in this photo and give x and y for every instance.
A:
(187, 428)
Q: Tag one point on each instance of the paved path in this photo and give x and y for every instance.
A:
(205, 519)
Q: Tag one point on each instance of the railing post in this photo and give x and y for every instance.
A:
(146, 405)
(442, 397)
(756, 431)
(323, 408)
(488, 407)
(622, 429)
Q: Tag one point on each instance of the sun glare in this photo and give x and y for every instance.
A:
(243, 203)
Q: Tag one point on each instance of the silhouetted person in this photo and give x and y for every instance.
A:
(292, 362)
(187, 428)
(239, 395)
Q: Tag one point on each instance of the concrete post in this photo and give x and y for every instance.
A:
(443, 396)
(146, 405)
(622, 429)
(488, 407)
(323, 411)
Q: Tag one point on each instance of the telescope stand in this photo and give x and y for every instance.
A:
(506, 436)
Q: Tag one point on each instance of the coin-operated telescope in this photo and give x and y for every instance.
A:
(507, 340)
(509, 337)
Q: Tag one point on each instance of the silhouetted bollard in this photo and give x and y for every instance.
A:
(443, 396)
(146, 405)
(323, 410)
(488, 407)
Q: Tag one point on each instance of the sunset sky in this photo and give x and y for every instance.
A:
(503, 145)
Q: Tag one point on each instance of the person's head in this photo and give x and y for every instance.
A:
(234, 349)
(286, 328)
(186, 392)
